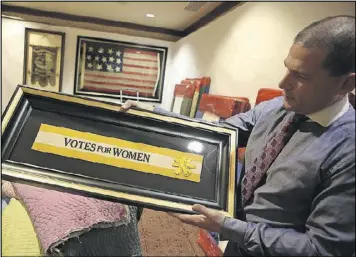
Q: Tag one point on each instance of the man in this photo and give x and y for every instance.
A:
(298, 187)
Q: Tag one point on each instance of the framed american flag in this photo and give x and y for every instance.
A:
(122, 70)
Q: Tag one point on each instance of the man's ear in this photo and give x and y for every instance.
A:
(348, 84)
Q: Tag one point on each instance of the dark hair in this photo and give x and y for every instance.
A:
(337, 35)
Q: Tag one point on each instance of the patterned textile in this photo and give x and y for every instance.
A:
(182, 100)
(114, 241)
(59, 216)
(110, 67)
(254, 174)
(18, 234)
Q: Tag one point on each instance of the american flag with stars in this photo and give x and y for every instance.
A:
(113, 68)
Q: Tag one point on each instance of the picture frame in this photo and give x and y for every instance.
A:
(43, 59)
(120, 70)
(179, 161)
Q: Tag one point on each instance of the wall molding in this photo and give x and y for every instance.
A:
(133, 29)
(220, 10)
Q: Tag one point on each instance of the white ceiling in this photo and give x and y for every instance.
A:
(171, 15)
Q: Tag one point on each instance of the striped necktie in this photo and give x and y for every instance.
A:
(261, 164)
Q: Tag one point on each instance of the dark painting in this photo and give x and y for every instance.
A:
(44, 65)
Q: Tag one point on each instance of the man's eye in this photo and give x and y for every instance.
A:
(302, 76)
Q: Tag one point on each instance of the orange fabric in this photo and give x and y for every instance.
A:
(201, 86)
(219, 105)
(265, 94)
(198, 83)
(223, 106)
(184, 90)
(242, 105)
(204, 80)
(207, 244)
(241, 154)
(186, 82)
(242, 99)
(207, 80)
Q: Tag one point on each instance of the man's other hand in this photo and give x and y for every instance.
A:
(208, 219)
(129, 104)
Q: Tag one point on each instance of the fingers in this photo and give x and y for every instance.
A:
(201, 220)
(180, 215)
(188, 218)
(173, 214)
(143, 106)
(127, 105)
(195, 220)
(203, 210)
(213, 215)
(197, 208)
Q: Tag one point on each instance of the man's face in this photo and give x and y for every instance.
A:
(307, 86)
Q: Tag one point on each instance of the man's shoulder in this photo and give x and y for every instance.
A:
(272, 103)
(347, 122)
(340, 138)
(272, 106)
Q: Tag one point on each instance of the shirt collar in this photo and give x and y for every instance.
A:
(331, 113)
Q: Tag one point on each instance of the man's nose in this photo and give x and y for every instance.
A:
(286, 82)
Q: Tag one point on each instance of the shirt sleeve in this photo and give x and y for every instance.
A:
(243, 122)
(330, 228)
(160, 110)
(246, 121)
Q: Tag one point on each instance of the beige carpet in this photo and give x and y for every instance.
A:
(163, 235)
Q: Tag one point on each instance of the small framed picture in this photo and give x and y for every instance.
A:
(121, 70)
(43, 60)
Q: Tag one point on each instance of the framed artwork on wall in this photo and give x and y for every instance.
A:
(43, 59)
(122, 70)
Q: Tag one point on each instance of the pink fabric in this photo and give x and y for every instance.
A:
(58, 216)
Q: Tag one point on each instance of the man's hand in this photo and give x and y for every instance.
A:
(129, 103)
(208, 219)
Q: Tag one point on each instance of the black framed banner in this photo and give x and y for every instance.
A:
(106, 68)
(43, 59)
(135, 157)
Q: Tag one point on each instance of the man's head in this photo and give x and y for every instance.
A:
(320, 65)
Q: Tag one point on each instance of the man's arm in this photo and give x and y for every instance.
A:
(330, 228)
(244, 122)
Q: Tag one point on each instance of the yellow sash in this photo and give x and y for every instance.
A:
(18, 234)
(119, 153)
